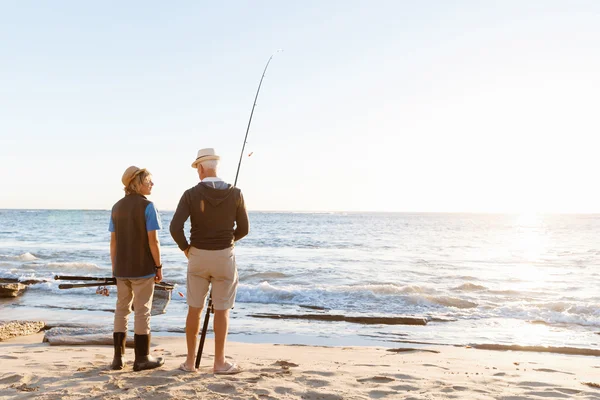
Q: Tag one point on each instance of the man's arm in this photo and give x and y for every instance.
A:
(242, 225)
(113, 251)
(181, 215)
(155, 250)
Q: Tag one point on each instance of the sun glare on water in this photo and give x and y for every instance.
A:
(529, 245)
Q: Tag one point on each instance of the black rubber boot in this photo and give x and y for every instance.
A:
(143, 359)
(119, 340)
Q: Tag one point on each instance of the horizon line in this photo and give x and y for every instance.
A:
(346, 211)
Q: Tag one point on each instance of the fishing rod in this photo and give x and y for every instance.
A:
(83, 278)
(96, 281)
(99, 281)
(209, 308)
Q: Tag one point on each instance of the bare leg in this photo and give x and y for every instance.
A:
(192, 327)
(220, 326)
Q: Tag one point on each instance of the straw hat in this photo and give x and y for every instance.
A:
(205, 155)
(131, 173)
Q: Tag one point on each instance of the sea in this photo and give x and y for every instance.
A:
(528, 279)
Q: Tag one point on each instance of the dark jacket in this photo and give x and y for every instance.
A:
(218, 217)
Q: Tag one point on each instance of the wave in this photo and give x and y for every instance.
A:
(73, 265)
(446, 301)
(393, 298)
(571, 308)
(470, 287)
(506, 292)
(265, 244)
(22, 257)
(387, 289)
(553, 313)
(263, 275)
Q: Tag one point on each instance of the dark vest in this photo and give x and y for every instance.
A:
(133, 257)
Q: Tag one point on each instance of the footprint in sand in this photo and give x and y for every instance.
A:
(253, 379)
(552, 370)
(376, 379)
(404, 377)
(373, 365)
(321, 396)
(225, 388)
(548, 393)
(283, 363)
(265, 394)
(313, 382)
(380, 394)
(9, 357)
(533, 384)
(11, 379)
(270, 370)
(453, 389)
(322, 373)
(404, 388)
(567, 391)
(436, 366)
(281, 390)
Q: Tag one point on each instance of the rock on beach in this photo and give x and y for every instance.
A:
(11, 289)
(11, 329)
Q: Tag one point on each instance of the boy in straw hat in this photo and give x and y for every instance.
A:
(218, 219)
(135, 256)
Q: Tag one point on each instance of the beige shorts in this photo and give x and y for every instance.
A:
(216, 267)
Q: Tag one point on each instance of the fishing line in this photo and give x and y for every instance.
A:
(209, 308)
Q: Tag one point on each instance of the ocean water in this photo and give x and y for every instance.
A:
(476, 278)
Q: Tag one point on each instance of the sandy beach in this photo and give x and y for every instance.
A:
(32, 369)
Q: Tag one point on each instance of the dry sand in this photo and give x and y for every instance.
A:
(31, 369)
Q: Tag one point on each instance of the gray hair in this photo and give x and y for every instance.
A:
(209, 164)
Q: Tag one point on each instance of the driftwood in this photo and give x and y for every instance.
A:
(11, 329)
(344, 318)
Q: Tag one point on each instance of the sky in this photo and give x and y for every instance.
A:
(432, 106)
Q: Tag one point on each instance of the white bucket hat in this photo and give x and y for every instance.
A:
(205, 155)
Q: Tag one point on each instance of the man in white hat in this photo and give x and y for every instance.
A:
(135, 256)
(218, 219)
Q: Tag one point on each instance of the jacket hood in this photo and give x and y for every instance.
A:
(215, 192)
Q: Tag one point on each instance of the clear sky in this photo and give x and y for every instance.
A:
(395, 105)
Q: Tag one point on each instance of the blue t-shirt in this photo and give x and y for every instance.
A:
(153, 223)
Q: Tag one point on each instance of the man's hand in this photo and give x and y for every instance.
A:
(158, 276)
